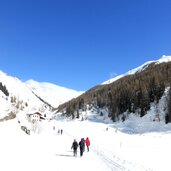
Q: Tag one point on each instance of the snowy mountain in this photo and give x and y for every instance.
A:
(16, 95)
(133, 92)
(135, 144)
(53, 94)
(139, 69)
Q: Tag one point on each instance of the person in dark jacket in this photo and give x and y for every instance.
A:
(87, 141)
(82, 147)
(74, 147)
(84, 144)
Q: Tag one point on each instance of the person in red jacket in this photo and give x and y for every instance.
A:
(87, 142)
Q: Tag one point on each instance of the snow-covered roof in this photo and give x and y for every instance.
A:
(38, 113)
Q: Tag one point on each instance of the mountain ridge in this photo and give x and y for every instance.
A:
(32, 95)
(16, 95)
(132, 92)
(57, 94)
(164, 58)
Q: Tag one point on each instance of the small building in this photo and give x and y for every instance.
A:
(34, 117)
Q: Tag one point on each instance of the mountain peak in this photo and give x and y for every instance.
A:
(54, 94)
(164, 58)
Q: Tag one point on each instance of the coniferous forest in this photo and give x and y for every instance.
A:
(129, 94)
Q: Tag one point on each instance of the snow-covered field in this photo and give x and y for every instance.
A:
(110, 149)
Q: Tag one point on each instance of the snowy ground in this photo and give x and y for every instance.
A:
(110, 150)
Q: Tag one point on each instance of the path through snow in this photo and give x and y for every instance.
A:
(109, 150)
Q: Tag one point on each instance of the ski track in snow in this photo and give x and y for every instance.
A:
(113, 166)
(111, 160)
(108, 161)
(110, 164)
(50, 151)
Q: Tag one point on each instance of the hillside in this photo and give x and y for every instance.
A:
(16, 96)
(53, 94)
(132, 92)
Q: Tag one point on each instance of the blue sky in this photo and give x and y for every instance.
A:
(80, 43)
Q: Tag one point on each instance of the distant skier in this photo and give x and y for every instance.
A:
(82, 146)
(74, 147)
(87, 141)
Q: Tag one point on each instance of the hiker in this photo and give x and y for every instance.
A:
(74, 147)
(87, 141)
(82, 146)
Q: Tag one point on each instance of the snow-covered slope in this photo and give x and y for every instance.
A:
(31, 95)
(5, 106)
(19, 92)
(51, 93)
(140, 68)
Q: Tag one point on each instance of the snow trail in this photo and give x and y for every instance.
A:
(109, 150)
